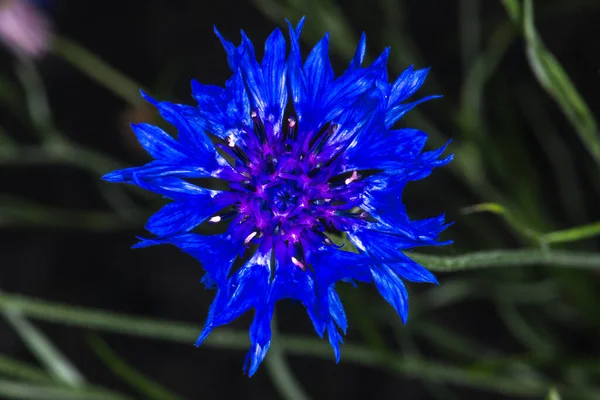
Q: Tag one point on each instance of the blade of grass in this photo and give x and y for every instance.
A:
(553, 78)
(280, 371)
(44, 350)
(28, 391)
(572, 234)
(147, 387)
(18, 369)
(91, 65)
(508, 217)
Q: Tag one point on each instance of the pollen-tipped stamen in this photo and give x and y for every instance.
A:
(259, 128)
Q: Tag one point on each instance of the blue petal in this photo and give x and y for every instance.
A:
(158, 143)
(273, 70)
(229, 49)
(253, 76)
(335, 339)
(319, 74)
(182, 216)
(225, 112)
(248, 287)
(216, 253)
(406, 85)
(192, 137)
(260, 339)
(364, 115)
(295, 73)
(384, 241)
(332, 265)
(348, 89)
(158, 169)
(290, 281)
(397, 153)
(318, 68)
(336, 309)
(359, 55)
(411, 271)
(391, 288)
(170, 187)
(396, 112)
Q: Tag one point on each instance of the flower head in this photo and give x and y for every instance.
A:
(299, 156)
(24, 27)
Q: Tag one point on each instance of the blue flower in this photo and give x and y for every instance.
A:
(300, 155)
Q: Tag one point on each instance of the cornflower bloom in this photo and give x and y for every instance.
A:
(299, 157)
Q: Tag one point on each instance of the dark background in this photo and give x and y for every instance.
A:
(162, 45)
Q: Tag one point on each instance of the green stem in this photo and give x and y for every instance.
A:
(509, 258)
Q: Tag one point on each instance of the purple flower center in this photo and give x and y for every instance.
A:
(287, 188)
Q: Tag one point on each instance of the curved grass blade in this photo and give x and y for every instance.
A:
(149, 388)
(553, 78)
(43, 349)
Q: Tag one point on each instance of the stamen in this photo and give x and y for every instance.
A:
(247, 184)
(271, 163)
(348, 213)
(325, 238)
(290, 134)
(315, 170)
(237, 151)
(354, 177)
(250, 237)
(292, 124)
(323, 138)
(298, 263)
(231, 141)
(226, 215)
(259, 127)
